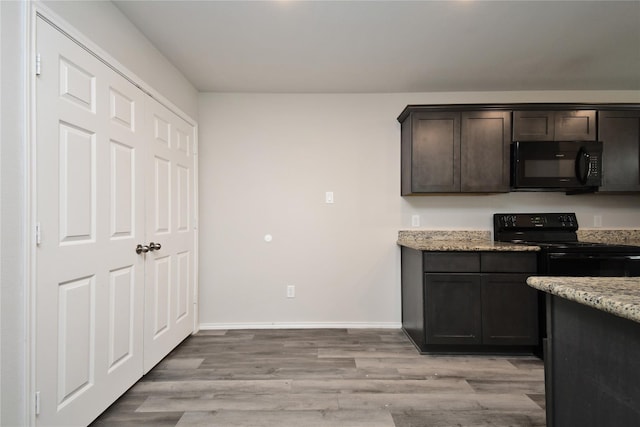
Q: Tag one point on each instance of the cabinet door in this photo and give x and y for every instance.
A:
(561, 125)
(484, 151)
(435, 153)
(452, 309)
(533, 125)
(578, 125)
(620, 133)
(509, 310)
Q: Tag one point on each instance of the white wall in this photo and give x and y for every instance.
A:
(266, 162)
(118, 37)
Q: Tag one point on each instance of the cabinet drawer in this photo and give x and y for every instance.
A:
(452, 262)
(509, 262)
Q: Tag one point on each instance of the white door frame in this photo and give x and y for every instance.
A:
(38, 8)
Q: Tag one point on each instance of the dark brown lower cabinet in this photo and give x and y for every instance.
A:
(470, 301)
(508, 316)
(461, 323)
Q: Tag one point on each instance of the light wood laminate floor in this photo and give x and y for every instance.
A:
(327, 378)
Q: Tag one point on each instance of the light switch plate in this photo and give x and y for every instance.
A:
(415, 220)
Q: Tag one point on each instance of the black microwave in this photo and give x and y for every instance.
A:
(572, 166)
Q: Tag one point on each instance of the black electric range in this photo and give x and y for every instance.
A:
(561, 253)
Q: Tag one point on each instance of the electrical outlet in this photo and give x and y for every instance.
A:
(328, 197)
(291, 291)
(597, 220)
(415, 220)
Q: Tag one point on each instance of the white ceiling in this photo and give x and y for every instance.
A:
(396, 46)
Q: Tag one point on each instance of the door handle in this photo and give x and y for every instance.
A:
(142, 249)
(582, 166)
(154, 246)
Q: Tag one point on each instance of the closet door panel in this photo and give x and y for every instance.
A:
(170, 208)
(89, 183)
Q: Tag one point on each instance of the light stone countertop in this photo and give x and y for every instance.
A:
(456, 240)
(629, 236)
(481, 240)
(616, 295)
(466, 246)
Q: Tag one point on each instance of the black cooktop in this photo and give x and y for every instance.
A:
(550, 231)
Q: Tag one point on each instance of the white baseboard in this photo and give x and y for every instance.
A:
(305, 325)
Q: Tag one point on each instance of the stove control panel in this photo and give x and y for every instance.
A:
(535, 221)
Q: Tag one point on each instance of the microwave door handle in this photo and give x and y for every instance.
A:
(582, 166)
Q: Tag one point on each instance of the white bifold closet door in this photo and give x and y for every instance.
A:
(114, 170)
(169, 271)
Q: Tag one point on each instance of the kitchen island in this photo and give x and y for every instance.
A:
(592, 350)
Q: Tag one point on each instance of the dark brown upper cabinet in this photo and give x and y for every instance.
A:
(455, 151)
(484, 151)
(560, 125)
(431, 153)
(620, 133)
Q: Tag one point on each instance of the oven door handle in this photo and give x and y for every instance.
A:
(566, 256)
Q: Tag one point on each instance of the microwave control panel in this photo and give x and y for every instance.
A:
(594, 166)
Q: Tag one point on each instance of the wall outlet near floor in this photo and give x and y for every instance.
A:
(415, 220)
(597, 220)
(291, 291)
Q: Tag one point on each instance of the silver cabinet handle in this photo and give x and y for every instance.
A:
(154, 246)
(142, 249)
